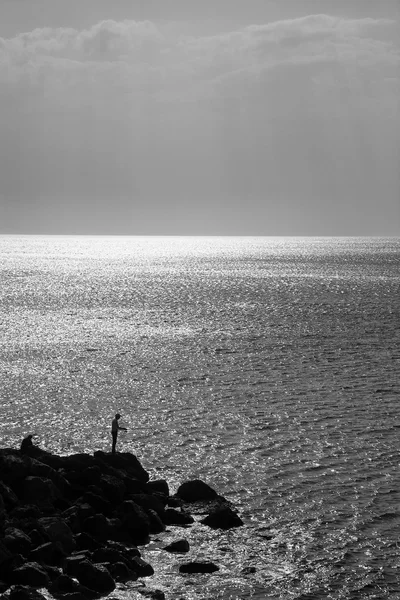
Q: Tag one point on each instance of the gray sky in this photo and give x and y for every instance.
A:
(247, 117)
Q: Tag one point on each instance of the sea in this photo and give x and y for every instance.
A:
(267, 367)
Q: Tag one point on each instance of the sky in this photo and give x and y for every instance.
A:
(181, 117)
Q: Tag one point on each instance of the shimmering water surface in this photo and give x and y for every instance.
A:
(268, 367)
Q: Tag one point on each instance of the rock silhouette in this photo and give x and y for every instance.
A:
(72, 524)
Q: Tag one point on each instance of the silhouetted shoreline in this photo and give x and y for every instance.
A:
(73, 524)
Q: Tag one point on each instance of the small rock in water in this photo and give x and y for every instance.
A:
(178, 546)
(198, 567)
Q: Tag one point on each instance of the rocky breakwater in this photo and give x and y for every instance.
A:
(73, 524)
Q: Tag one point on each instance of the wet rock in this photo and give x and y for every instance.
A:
(178, 546)
(141, 567)
(30, 573)
(175, 517)
(198, 567)
(49, 553)
(58, 531)
(222, 518)
(17, 541)
(248, 570)
(194, 490)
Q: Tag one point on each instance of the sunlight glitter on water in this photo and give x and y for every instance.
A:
(269, 368)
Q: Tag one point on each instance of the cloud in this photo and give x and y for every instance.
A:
(139, 56)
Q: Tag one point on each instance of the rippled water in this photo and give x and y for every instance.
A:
(268, 367)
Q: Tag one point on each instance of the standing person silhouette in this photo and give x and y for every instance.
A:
(115, 426)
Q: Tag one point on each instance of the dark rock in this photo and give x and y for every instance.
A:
(95, 577)
(38, 537)
(222, 518)
(92, 475)
(58, 531)
(109, 555)
(17, 541)
(194, 490)
(40, 491)
(133, 485)
(98, 503)
(97, 526)
(158, 485)
(174, 502)
(135, 520)
(49, 553)
(22, 592)
(125, 461)
(248, 570)
(153, 594)
(141, 567)
(68, 587)
(5, 554)
(71, 517)
(198, 567)
(146, 501)
(9, 497)
(31, 573)
(175, 517)
(121, 572)
(26, 512)
(85, 510)
(113, 488)
(13, 468)
(179, 546)
(156, 524)
(84, 541)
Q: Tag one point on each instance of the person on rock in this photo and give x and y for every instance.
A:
(26, 444)
(115, 427)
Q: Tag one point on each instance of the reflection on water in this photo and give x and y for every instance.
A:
(268, 367)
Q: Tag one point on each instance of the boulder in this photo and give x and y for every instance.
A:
(58, 531)
(194, 490)
(96, 526)
(30, 573)
(198, 567)
(146, 501)
(84, 541)
(121, 572)
(17, 541)
(222, 518)
(98, 503)
(113, 488)
(177, 517)
(124, 461)
(40, 491)
(10, 499)
(141, 567)
(158, 485)
(179, 546)
(49, 553)
(135, 520)
(95, 577)
(156, 524)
